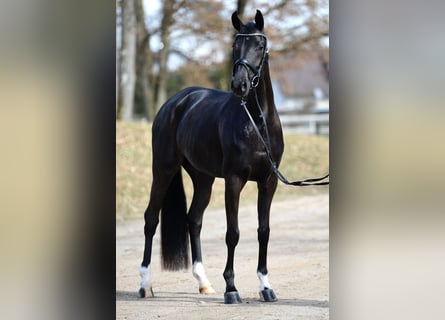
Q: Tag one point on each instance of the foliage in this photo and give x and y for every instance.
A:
(304, 157)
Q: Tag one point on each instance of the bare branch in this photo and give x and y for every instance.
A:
(298, 43)
(183, 55)
(280, 5)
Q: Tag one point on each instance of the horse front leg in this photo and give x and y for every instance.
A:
(233, 185)
(266, 191)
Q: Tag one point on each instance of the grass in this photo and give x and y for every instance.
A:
(304, 157)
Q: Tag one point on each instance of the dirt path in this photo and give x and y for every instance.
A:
(298, 264)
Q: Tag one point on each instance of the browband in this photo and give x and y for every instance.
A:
(250, 34)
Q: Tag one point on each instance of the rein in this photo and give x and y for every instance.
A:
(266, 145)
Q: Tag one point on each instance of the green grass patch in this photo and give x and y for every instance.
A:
(304, 157)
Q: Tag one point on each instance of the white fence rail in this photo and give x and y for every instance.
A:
(305, 124)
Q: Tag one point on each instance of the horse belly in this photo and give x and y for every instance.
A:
(202, 149)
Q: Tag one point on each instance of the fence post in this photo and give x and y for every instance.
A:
(312, 126)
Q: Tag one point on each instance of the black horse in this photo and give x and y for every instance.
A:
(209, 134)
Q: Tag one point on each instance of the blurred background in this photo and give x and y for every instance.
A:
(164, 46)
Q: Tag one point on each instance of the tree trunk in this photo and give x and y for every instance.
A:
(240, 6)
(118, 50)
(167, 22)
(128, 59)
(142, 59)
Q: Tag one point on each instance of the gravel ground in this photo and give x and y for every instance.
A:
(298, 263)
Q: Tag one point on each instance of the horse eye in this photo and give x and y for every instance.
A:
(260, 47)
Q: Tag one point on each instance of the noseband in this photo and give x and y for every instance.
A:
(255, 80)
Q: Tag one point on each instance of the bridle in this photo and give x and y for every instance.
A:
(254, 81)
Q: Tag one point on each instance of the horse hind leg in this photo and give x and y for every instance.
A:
(167, 182)
(151, 218)
(202, 185)
(160, 185)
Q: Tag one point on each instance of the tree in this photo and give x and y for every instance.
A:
(240, 7)
(168, 10)
(118, 51)
(143, 62)
(127, 59)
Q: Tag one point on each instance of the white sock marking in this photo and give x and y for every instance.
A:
(145, 273)
(264, 281)
(199, 274)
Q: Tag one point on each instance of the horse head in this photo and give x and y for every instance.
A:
(249, 54)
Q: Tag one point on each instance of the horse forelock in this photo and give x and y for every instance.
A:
(250, 27)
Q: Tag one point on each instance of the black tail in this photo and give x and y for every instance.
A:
(174, 231)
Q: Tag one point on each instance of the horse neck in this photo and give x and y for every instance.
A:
(265, 94)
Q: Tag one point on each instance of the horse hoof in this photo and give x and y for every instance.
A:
(207, 290)
(232, 297)
(143, 294)
(268, 295)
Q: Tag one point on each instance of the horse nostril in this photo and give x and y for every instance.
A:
(239, 87)
(244, 86)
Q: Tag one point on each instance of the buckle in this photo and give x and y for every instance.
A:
(255, 81)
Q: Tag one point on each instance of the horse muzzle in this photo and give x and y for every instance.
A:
(240, 87)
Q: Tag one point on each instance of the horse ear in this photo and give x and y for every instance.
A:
(259, 21)
(236, 21)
